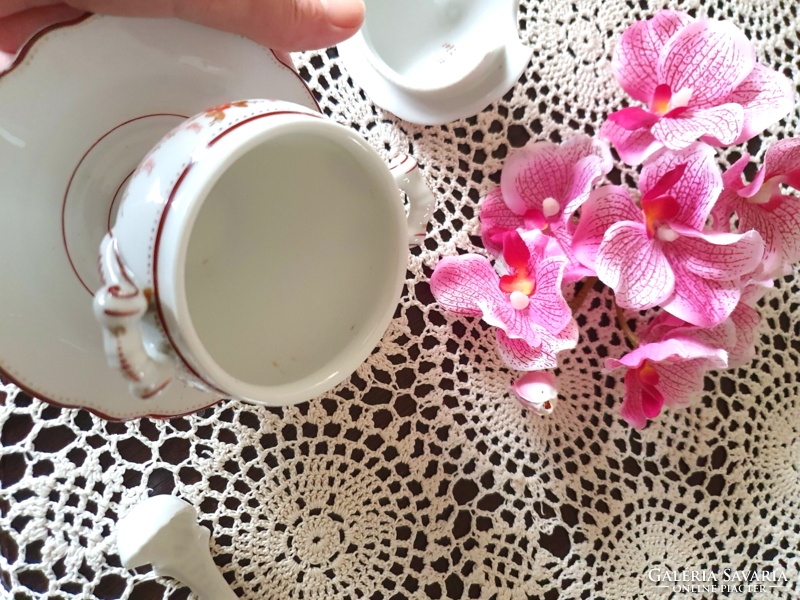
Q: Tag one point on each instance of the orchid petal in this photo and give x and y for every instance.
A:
(464, 284)
(732, 177)
(783, 159)
(680, 383)
(633, 118)
(756, 288)
(766, 97)
(699, 301)
(780, 228)
(523, 357)
(515, 251)
(746, 320)
(532, 174)
(661, 97)
(711, 58)
(660, 327)
(787, 220)
(679, 362)
(714, 255)
(606, 205)
(631, 409)
(722, 123)
(548, 307)
(585, 174)
(665, 182)
(633, 147)
(673, 350)
(574, 271)
(634, 266)
(639, 49)
(496, 220)
(544, 170)
(722, 337)
(666, 326)
(724, 207)
(517, 324)
(697, 189)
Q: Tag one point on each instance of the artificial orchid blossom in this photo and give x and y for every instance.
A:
(699, 80)
(668, 372)
(735, 335)
(498, 220)
(542, 185)
(762, 206)
(659, 254)
(537, 392)
(545, 183)
(525, 304)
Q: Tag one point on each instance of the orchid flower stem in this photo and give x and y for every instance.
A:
(580, 297)
(623, 324)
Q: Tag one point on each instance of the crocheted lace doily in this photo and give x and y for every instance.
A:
(422, 477)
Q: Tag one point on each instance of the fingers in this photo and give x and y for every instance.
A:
(289, 25)
(16, 29)
(10, 7)
(280, 24)
(304, 24)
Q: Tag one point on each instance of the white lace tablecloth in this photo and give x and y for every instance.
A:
(422, 477)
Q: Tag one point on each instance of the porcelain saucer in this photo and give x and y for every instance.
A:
(80, 106)
(435, 62)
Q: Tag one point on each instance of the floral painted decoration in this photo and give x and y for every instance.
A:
(218, 114)
(698, 246)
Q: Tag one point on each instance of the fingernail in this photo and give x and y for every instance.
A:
(346, 14)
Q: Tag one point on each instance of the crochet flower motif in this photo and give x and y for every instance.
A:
(668, 372)
(699, 79)
(762, 206)
(660, 254)
(525, 304)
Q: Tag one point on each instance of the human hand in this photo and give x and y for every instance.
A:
(288, 25)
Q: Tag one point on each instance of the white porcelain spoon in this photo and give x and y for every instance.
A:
(163, 531)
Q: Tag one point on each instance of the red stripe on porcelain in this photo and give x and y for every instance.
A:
(72, 179)
(160, 231)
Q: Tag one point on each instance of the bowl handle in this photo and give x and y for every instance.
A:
(420, 197)
(119, 308)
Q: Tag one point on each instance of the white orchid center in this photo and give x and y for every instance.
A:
(519, 300)
(680, 98)
(550, 207)
(667, 234)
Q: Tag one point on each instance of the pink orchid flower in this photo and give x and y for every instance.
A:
(525, 304)
(537, 392)
(542, 185)
(659, 254)
(668, 372)
(699, 80)
(498, 220)
(545, 183)
(762, 206)
(735, 335)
